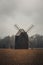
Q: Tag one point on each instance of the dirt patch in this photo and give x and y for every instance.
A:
(21, 57)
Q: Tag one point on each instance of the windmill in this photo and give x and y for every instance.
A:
(21, 38)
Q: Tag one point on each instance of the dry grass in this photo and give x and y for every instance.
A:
(21, 57)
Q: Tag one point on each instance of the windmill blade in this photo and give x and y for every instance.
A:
(30, 28)
(17, 27)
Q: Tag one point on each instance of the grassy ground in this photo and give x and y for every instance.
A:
(21, 57)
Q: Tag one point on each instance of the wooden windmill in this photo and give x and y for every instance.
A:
(21, 38)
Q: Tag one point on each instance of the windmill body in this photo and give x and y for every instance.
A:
(21, 40)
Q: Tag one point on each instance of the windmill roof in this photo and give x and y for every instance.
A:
(19, 32)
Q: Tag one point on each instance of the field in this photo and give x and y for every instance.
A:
(21, 57)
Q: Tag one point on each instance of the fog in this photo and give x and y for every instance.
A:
(23, 13)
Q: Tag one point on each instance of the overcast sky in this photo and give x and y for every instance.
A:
(23, 13)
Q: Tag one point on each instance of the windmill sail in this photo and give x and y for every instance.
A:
(17, 28)
(30, 28)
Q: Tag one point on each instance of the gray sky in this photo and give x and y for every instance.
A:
(21, 12)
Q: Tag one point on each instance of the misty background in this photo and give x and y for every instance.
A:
(21, 12)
